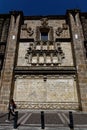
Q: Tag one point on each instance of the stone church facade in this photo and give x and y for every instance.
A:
(43, 61)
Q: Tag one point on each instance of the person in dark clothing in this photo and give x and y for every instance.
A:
(11, 108)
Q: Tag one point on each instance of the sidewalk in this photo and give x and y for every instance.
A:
(38, 128)
(54, 120)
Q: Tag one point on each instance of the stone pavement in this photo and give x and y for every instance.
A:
(54, 120)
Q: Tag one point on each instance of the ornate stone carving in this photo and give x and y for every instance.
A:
(30, 31)
(45, 53)
(44, 22)
(27, 105)
(37, 33)
(59, 30)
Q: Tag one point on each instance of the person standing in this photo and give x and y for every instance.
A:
(11, 109)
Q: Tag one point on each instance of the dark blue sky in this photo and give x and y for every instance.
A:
(42, 7)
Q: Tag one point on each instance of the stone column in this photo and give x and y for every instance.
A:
(79, 55)
(9, 61)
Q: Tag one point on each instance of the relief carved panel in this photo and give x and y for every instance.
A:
(45, 53)
(55, 53)
(38, 93)
(59, 30)
(29, 30)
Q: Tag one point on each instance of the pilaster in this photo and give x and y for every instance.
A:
(79, 52)
(9, 60)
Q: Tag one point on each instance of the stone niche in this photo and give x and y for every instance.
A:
(46, 92)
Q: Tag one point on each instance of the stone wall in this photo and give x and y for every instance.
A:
(55, 24)
(61, 82)
(9, 61)
(55, 90)
(78, 42)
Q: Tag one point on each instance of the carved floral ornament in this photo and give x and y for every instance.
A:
(29, 30)
(59, 30)
(44, 22)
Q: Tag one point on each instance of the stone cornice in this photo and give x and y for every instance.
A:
(48, 17)
(45, 70)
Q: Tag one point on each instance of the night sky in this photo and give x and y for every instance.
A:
(42, 7)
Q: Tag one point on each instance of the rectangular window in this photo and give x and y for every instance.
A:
(44, 36)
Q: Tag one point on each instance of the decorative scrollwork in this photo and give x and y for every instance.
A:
(30, 31)
(60, 29)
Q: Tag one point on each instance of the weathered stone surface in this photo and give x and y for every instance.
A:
(66, 47)
(53, 23)
(53, 90)
(66, 88)
(80, 56)
(6, 82)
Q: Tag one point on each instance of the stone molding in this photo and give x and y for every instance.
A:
(45, 106)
